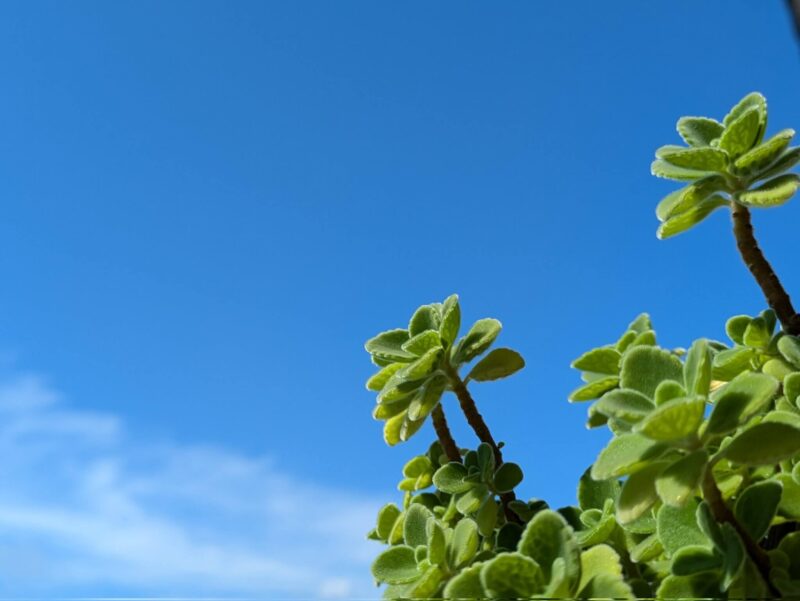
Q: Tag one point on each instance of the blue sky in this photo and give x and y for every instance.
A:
(208, 207)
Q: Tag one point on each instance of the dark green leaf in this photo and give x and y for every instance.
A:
(592, 494)
(678, 527)
(677, 484)
(753, 99)
(427, 397)
(639, 492)
(746, 395)
(757, 334)
(694, 559)
(764, 444)
(500, 363)
(787, 160)
(756, 507)
(507, 477)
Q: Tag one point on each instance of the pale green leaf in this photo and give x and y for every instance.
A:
(697, 368)
(547, 537)
(427, 397)
(594, 389)
(736, 402)
(464, 543)
(450, 478)
(678, 527)
(512, 576)
(645, 367)
(668, 390)
(604, 360)
(787, 160)
(688, 219)
(674, 420)
(592, 494)
(451, 319)
(378, 381)
(388, 346)
(597, 560)
(624, 404)
(765, 154)
(466, 584)
(689, 196)
(742, 133)
(607, 586)
(772, 193)
(699, 131)
(736, 326)
(422, 342)
(677, 484)
(396, 565)
(477, 340)
(730, 363)
(624, 455)
(639, 492)
(694, 559)
(789, 347)
(425, 318)
(696, 158)
(500, 363)
(415, 525)
(661, 168)
(387, 517)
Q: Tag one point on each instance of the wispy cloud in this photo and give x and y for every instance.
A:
(85, 508)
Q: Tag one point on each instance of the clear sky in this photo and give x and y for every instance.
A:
(209, 206)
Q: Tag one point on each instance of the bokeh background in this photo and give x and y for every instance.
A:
(208, 207)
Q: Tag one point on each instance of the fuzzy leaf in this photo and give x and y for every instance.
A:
(500, 363)
(678, 528)
(378, 381)
(451, 320)
(736, 326)
(697, 368)
(422, 342)
(466, 584)
(661, 168)
(791, 388)
(763, 155)
(753, 99)
(674, 420)
(757, 334)
(387, 517)
(624, 404)
(391, 428)
(697, 158)
(624, 455)
(592, 494)
(464, 543)
(594, 389)
(396, 565)
(470, 501)
(667, 391)
(547, 537)
(729, 364)
(425, 318)
(388, 346)
(789, 347)
(606, 586)
(699, 131)
(742, 133)
(694, 559)
(764, 444)
(477, 340)
(427, 397)
(787, 160)
(512, 576)
(598, 560)
(450, 478)
(507, 477)
(746, 395)
(415, 525)
(639, 493)
(771, 193)
(676, 484)
(756, 507)
(604, 360)
(688, 219)
(644, 368)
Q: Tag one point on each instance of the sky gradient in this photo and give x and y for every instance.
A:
(209, 207)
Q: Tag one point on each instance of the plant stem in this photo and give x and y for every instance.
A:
(723, 514)
(443, 433)
(478, 425)
(762, 271)
(794, 11)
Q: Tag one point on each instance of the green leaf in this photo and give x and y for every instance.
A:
(507, 477)
(425, 365)
(777, 368)
(644, 368)
(378, 381)
(396, 565)
(694, 559)
(699, 131)
(742, 133)
(417, 467)
(598, 560)
(414, 527)
(757, 334)
(791, 387)
(764, 444)
(661, 168)
(790, 499)
(736, 326)
(697, 368)
(624, 404)
(466, 584)
(427, 584)
(787, 160)
(647, 549)
(743, 397)
(753, 99)
(477, 340)
(676, 484)
(668, 390)
(500, 363)
(437, 542)
(409, 427)
(388, 346)
(684, 199)
(427, 397)
(592, 494)
(604, 360)
(756, 507)
(729, 364)
(401, 385)
(697, 158)
(391, 429)
(674, 420)
(606, 586)
(387, 517)
(594, 389)
(451, 320)
(422, 342)
(386, 411)
(688, 219)
(639, 492)
(470, 501)
(464, 544)
(547, 537)
(699, 586)
(765, 154)
(771, 193)
(486, 517)
(511, 576)
(624, 455)
(450, 478)
(789, 347)
(677, 527)
(733, 553)
(425, 318)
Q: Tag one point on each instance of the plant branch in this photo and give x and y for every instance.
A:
(478, 425)
(762, 271)
(794, 11)
(723, 514)
(443, 433)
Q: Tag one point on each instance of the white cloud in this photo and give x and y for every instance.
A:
(86, 509)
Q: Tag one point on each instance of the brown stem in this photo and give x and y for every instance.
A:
(478, 425)
(723, 514)
(445, 437)
(762, 271)
(794, 12)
